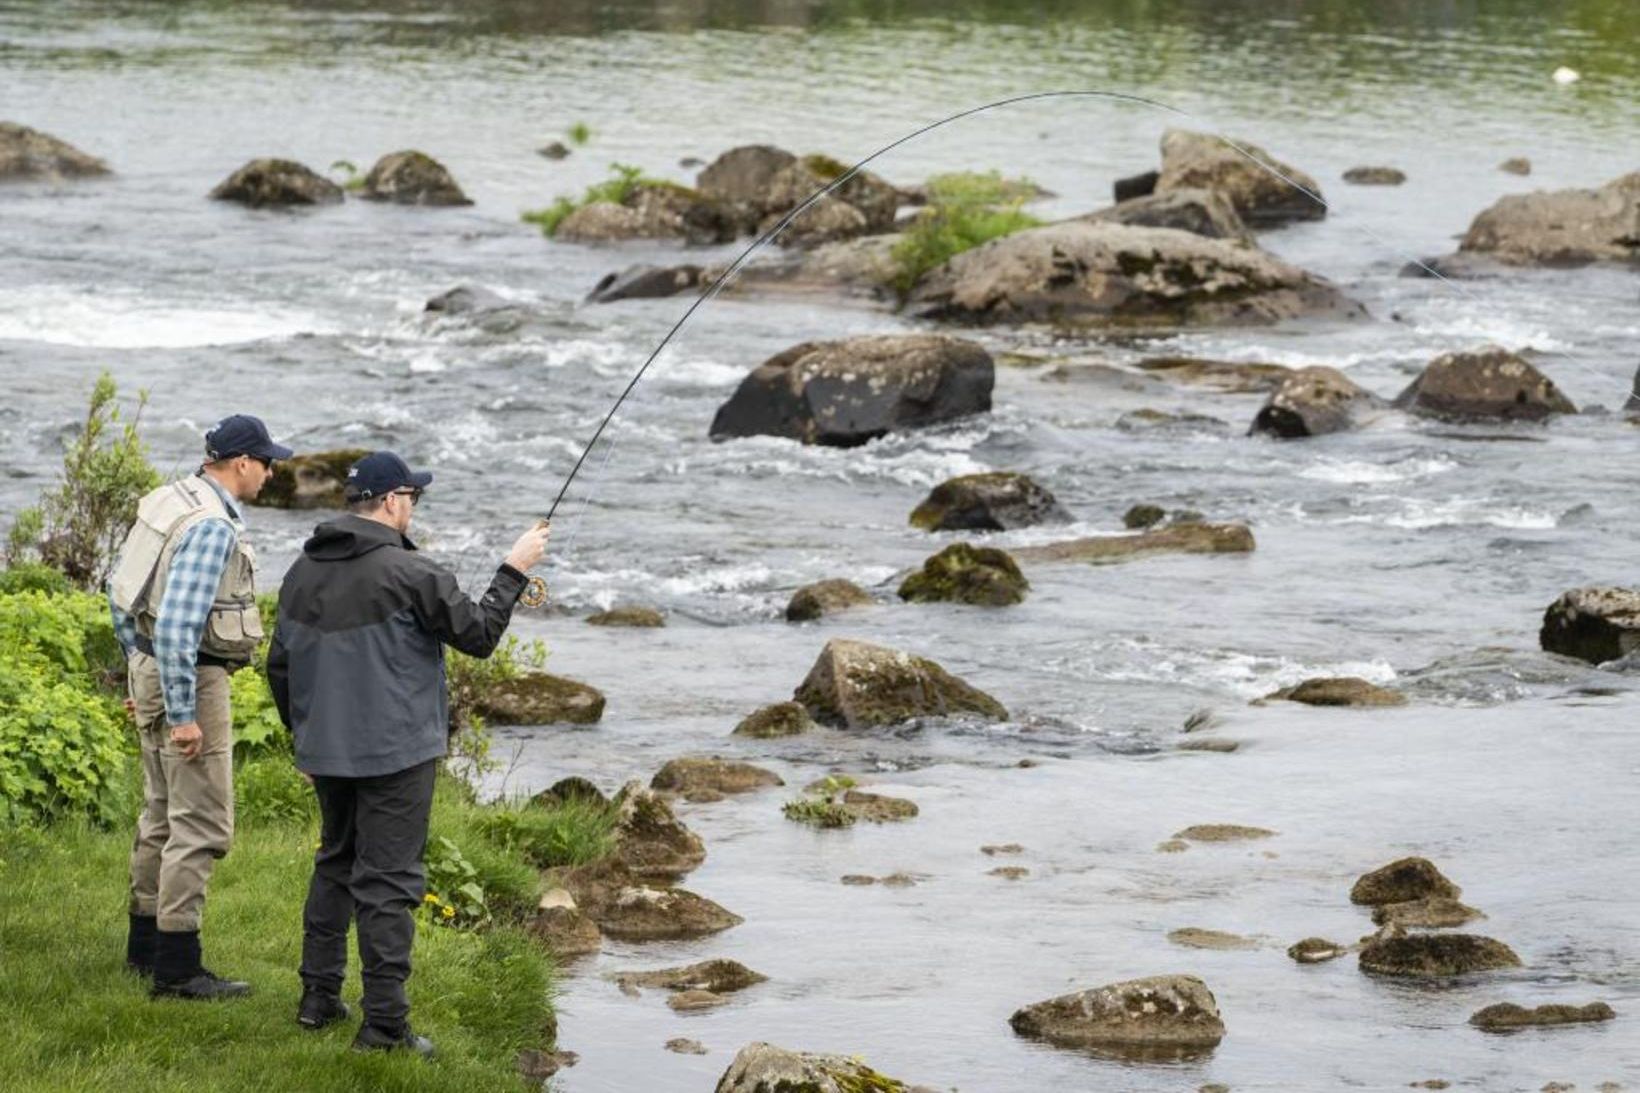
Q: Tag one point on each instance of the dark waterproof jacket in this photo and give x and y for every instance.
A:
(357, 661)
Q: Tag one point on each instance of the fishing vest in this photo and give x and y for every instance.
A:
(164, 517)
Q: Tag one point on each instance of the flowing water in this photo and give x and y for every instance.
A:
(1406, 553)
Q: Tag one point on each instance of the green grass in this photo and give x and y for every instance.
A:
(76, 1020)
(624, 181)
(574, 833)
(964, 211)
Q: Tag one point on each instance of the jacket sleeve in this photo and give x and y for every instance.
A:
(470, 627)
(279, 673)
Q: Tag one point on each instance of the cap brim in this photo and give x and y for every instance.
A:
(278, 451)
(420, 479)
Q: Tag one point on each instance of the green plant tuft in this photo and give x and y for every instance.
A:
(964, 211)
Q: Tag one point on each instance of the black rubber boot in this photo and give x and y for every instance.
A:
(139, 945)
(178, 972)
(319, 1009)
(371, 1038)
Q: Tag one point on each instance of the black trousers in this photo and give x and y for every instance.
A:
(368, 868)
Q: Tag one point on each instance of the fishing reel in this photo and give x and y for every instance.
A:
(535, 592)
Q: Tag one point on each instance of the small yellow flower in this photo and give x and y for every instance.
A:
(429, 898)
(449, 912)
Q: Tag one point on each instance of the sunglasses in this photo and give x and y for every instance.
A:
(413, 494)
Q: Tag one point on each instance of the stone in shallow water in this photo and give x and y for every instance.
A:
(1141, 1018)
(1429, 956)
(995, 501)
(765, 1068)
(691, 774)
(780, 719)
(964, 573)
(1315, 950)
(1596, 624)
(827, 597)
(1506, 1016)
(1010, 872)
(1192, 937)
(1337, 691)
(680, 1046)
(1401, 881)
(630, 616)
(858, 685)
(1435, 912)
(1222, 833)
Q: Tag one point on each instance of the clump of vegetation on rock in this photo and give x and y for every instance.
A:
(964, 210)
(623, 184)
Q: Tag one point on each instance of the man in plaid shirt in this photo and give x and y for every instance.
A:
(183, 600)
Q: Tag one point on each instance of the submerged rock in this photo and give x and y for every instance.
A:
(845, 393)
(1081, 273)
(1191, 538)
(1492, 384)
(1315, 950)
(643, 282)
(857, 685)
(780, 719)
(1402, 881)
(718, 976)
(276, 182)
(993, 501)
(1506, 1016)
(1516, 165)
(764, 1068)
(28, 155)
(877, 808)
(1435, 955)
(1593, 624)
(1192, 937)
(1561, 228)
(631, 616)
(411, 178)
(678, 1045)
(536, 698)
(1223, 833)
(1375, 176)
(1147, 419)
(1431, 913)
(467, 300)
(563, 928)
(1340, 691)
(828, 597)
(1142, 516)
(1230, 377)
(692, 775)
(310, 481)
(1243, 174)
(1315, 401)
(1200, 212)
(858, 269)
(1137, 1017)
(963, 573)
(649, 840)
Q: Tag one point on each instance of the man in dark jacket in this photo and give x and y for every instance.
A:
(357, 671)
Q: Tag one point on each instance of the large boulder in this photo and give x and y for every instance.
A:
(693, 777)
(762, 184)
(1401, 881)
(1593, 624)
(994, 501)
(643, 282)
(1184, 538)
(857, 685)
(1201, 212)
(1082, 273)
(1248, 176)
(28, 155)
(1337, 691)
(277, 182)
(845, 393)
(764, 1068)
(1315, 401)
(1561, 228)
(780, 719)
(536, 698)
(963, 573)
(411, 178)
(651, 210)
(649, 840)
(1162, 1014)
(827, 597)
(1428, 956)
(1490, 384)
(313, 480)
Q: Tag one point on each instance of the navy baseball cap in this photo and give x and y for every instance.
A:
(382, 472)
(242, 434)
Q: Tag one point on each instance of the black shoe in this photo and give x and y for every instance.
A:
(371, 1038)
(204, 987)
(178, 972)
(139, 945)
(319, 1009)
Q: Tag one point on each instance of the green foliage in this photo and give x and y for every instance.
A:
(818, 811)
(573, 833)
(257, 728)
(825, 168)
(468, 678)
(622, 185)
(455, 895)
(580, 133)
(33, 577)
(269, 790)
(964, 211)
(78, 526)
(351, 177)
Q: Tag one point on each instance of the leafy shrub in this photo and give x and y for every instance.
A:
(964, 211)
(269, 790)
(573, 833)
(455, 895)
(33, 577)
(63, 747)
(624, 182)
(257, 728)
(468, 678)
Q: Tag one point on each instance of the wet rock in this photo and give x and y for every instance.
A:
(993, 849)
(1200, 212)
(694, 1001)
(1431, 1083)
(858, 880)
(1506, 1016)
(994, 501)
(556, 149)
(1491, 384)
(717, 976)
(1222, 833)
(1403, 881)
(651, 210)
(822, 812)
(411, 178)
(1175, 539)
(1433, 913)
(1172, 846)
(28, 155)
(1009, 872)
(467, 300)
(1143, 516)
(692, 775)
(1315, 401)
(1147, 420)
(1229, 377)
(537, 1066)
(877, 808)
(1375, 176)
(1337, 691)
(1135, 186)
(568, 790)
(1204, 161)
(1191, 937)
(763, 184)
(1174, 1012)
(643, 282)
(1315, 950)
(627, 910)
(680, 1046)
(963, 573)
(765, 1068)
(630, 616)
(844, 393)
(1593, 624)
(857, 685)
(1516, 165)
(1080, 273)
(649, 840)
(1456, 267)
(1561, 228)
(1212, 744)
(1435, 955)
(562, 927)
(822, 598)
(536, 698)
(277, 182)
(310, 481)
(780, 719)
(860, 269)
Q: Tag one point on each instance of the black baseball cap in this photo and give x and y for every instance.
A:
(242, 434)
(382, 472)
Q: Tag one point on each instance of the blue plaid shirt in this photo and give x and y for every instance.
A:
(190, 589)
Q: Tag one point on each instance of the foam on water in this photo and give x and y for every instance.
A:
(115, 319)
(1352, 472)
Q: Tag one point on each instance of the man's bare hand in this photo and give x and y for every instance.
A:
(188, 739)
(131, 708)
(530, 548)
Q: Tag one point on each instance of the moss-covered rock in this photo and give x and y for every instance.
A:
(628, 910)
(1337, 691)
(1142, 516)
(780, 719)
(877, 808)
(277, 182)
(537, 698)
(649, 840)
(1487, 385)
(1402, 881)
(1506, 1016)
(630, 616)
(1593, 624)
(827, 597)
(313, 480)
(1222, 833)
(994, 501)
(764, 1068)
(1316, 950)
(1428, 956)
(693, 775)
(411, 178)
(1187, 538)
(857, 685)
(963, 573)
(718, 976)
(28, 155)
(1140, 1017)
(1433, 913)
(1194, 937)
(566, 790)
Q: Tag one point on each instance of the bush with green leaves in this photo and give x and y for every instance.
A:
(268, 790)
(964, 210)
(572, 833)
(622, 185)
